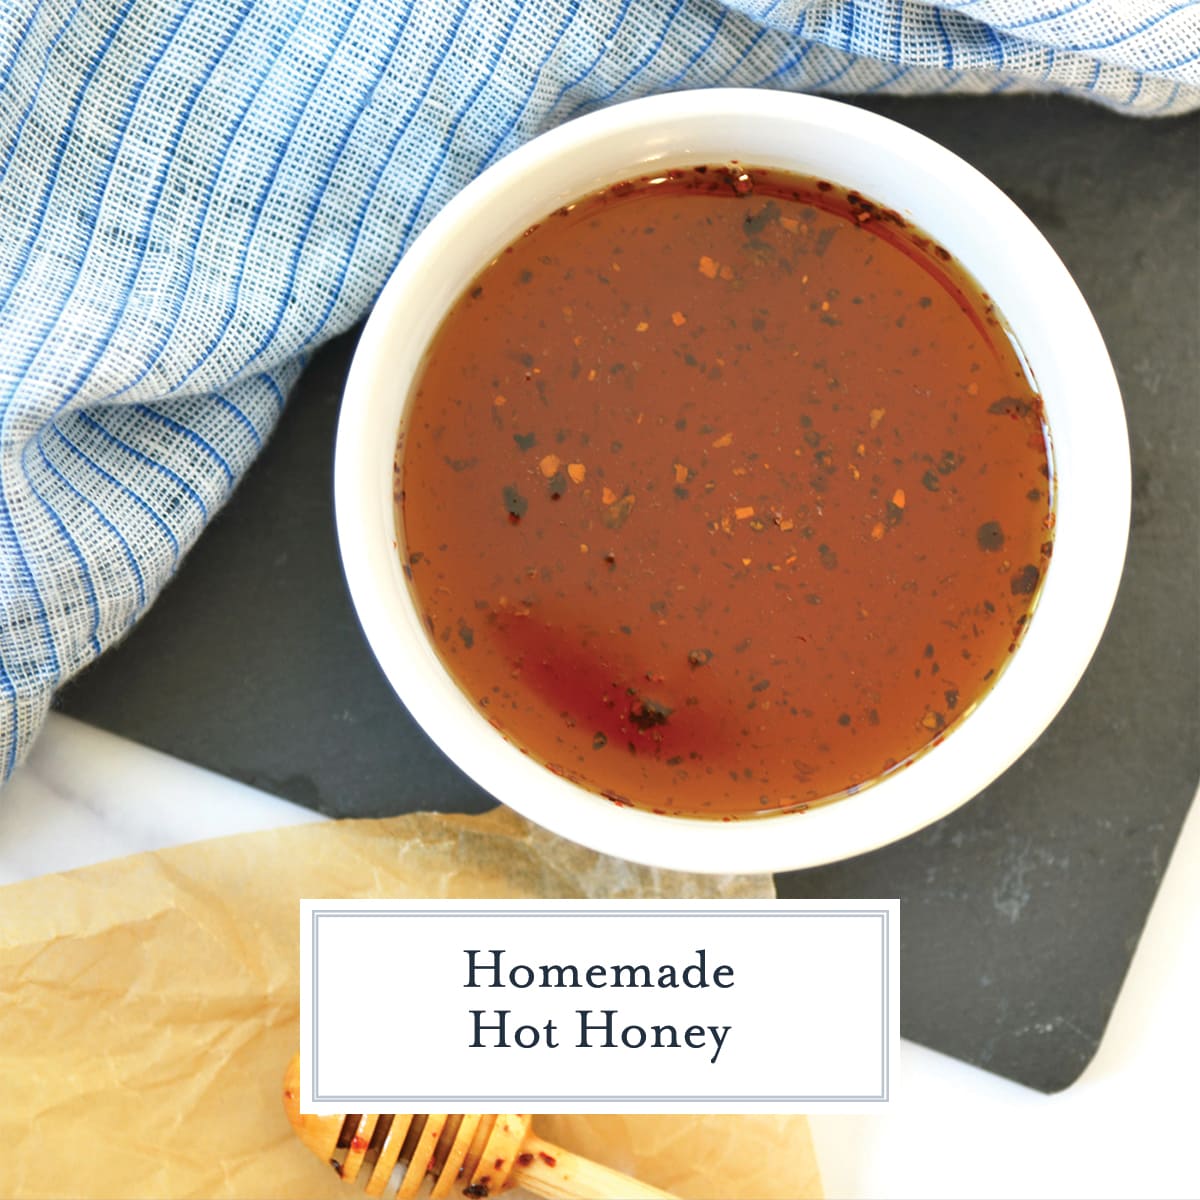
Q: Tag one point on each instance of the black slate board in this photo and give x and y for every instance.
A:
(1022, 910)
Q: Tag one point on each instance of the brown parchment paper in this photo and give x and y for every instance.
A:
(149, 1006)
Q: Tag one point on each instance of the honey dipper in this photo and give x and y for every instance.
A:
(472, 1155)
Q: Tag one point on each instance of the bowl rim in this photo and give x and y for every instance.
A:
(1078, 591)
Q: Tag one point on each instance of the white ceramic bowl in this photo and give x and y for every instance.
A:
(944, 197)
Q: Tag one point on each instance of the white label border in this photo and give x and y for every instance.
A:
(884, 912)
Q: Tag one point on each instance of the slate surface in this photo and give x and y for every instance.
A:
(1022, 910)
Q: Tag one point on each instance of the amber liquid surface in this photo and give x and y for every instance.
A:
(724, 494)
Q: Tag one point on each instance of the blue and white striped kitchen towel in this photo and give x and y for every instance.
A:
(196, 193)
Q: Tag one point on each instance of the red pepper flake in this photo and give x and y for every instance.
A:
(515, 504)
(523, 1160)
(1010, 406)
(1025, 581)
(646, 713)
(548, 1159)
(990, 536)
(618, 512)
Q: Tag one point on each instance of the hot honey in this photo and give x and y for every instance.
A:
(724, 492)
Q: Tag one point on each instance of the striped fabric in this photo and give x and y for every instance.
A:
(194, 194)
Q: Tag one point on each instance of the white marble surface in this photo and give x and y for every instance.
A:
(1124, 1130)
(84, 796)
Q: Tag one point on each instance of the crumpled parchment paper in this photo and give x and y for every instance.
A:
(149, 1006)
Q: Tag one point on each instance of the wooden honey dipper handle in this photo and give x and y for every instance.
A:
(473, 1156)
(558, 1174)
